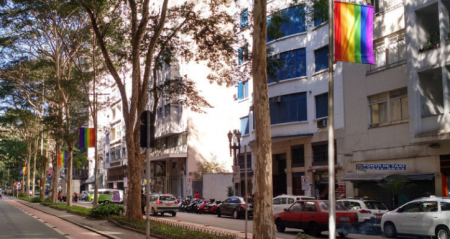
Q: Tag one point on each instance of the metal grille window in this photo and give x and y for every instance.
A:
(320, 154)
(389, 108)
(298, 156)
(389, 52)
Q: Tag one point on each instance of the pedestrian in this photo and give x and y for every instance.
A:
(196, 195)
(143, 202)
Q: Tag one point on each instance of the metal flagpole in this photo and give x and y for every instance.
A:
(246, 193)
(148, 174)
(331, 150)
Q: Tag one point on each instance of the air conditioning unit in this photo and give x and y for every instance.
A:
(322, 123)
(235, 97)
(277, 99)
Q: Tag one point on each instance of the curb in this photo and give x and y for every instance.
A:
(135, 230)
(80, 225)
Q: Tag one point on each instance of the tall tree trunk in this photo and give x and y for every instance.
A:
(56, 172)
(263, 226)
(69, 174)
(44, 177)
(134, 177)
(29, 154)
(34, 166)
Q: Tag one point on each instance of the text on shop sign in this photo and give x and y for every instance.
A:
(380, 166)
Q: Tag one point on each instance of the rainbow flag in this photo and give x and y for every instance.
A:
(353, 33)
(87, 137)
(23, 170)
(62, 159)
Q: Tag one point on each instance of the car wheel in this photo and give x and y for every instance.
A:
(154, 212)
(218, 213)
(389, 230)
(174, 214)
(280, 225)
(442, 232)
(235, 214)
(343, 233)
(313, 230)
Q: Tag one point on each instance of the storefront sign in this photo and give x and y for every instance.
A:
(341, 190)
(380, 166)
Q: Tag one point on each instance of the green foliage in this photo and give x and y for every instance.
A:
(301, 235)
(22, 195)
(60, 206)
(47, 200)
(173, 230)
(82, 211)
(10, 194)
(211, 166)
(107, 210)
(36, 199)
(229, 191)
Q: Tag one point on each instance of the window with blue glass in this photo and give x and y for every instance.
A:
(321, 105)
(242, 90)
(320, 16)
(321, 58)
(296, 21)
(244, 19)
(288, 108)
(243, 54)
(245, 129)
(293, 65)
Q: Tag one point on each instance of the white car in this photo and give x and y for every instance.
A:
(369, 211)
(428, 217)
(283, 201)
(163, 203)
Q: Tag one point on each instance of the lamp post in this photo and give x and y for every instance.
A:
(234, 140)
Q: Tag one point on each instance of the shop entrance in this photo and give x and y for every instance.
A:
(279, 174)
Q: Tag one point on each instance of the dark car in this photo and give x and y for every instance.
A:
(312, 218)
(235, 207)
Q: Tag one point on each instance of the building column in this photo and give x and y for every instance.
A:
(289, 171)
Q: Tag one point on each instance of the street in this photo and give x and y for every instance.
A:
(14, 223)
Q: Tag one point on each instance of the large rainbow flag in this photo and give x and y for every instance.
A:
(353, 33)
(23, 170)
(62, 159)
(87, 137)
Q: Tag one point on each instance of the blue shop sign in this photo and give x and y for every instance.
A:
(380, 166)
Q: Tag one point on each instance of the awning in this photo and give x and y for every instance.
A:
(378, 177)
(364, 177)
(91, 180)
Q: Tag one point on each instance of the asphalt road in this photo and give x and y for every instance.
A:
(14, 223)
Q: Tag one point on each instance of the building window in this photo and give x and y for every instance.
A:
(288, 108)
(167, 110)
(321, 58)
(244, 18)
(321, 105)
(242, 90)
(389, 52)
(296, 21)
(113, 134)
(113, 154)
(245, 126)
(298, 156)
(241, 161)
(124, 151)
(293, 65)
(243, 54)
(389, 108)
(383, 5)
(117, 152)
(432, 99)
(159, 112)
(320, 153)
(320, 15)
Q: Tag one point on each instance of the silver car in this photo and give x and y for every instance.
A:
(163, 203)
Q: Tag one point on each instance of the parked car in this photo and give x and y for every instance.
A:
(107, 195)
(312, 217)
(235, 207)
(163, 203)
(369, 211)
(429, 216)
(284, 201)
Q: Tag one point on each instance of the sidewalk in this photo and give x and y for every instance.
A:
(101, 227)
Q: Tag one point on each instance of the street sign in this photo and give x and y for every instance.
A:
(305, 188)
(189, 180)
(305, 180)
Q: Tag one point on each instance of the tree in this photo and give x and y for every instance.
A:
(263, 226)
(147, 40)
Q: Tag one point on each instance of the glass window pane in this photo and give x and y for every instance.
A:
(380, 57)
(383, 112)
(405, 108)
(395, 109)
(375, 118)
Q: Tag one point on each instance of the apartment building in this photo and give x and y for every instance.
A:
(396, 111)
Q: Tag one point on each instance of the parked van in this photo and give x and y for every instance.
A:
(107, 195)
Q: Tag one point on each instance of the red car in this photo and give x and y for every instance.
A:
(312, 217)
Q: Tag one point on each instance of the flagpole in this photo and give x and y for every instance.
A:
(331, 150)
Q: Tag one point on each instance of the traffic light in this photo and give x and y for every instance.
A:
(144, 116)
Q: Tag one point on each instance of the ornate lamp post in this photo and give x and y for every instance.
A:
(234, 140)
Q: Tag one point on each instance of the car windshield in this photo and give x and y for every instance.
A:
(375, 205)
(339, 206)
(166, 198)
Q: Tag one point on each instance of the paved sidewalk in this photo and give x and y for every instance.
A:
(77, 225)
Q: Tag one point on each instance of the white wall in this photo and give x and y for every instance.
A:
(215, 185)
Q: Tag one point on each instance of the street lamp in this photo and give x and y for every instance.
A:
(234, 140)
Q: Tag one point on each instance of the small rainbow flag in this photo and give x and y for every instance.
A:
(62, 159)
(23, 170)
(353, 33)
(87, 137)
